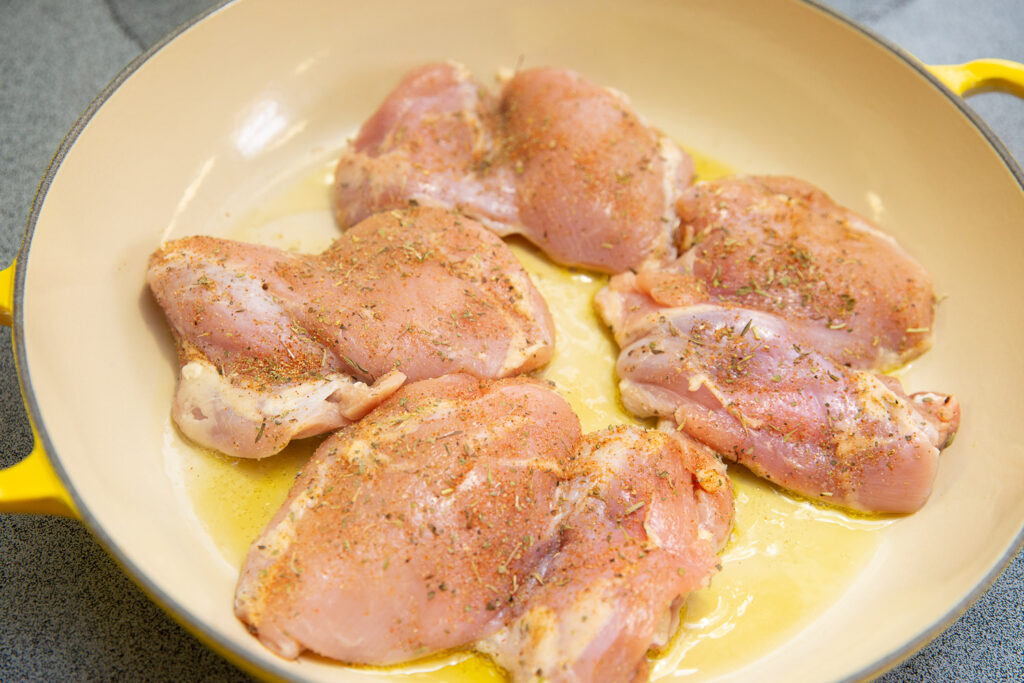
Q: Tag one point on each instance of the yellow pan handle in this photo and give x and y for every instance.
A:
(982, 75)
(7, 295)
(30, 486)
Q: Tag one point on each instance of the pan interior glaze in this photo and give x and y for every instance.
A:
(202, 130)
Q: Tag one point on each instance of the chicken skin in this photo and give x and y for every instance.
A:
(647, 514)
(782, 246)
(755, 389)
(413, 530)
(563, 162)
(275, 345)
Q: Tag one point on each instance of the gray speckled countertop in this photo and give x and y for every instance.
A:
(67, 612)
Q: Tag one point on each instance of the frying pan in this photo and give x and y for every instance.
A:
(805, 93)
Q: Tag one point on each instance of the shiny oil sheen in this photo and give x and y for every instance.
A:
(787, 561)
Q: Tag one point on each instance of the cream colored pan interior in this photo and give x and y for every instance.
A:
(260, 92)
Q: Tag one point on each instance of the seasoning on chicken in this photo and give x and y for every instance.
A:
(431, 142)
(646, 516)
(471, 513)
(753, 388)
(415, 529)
(781, 245)
(596, 186)
(565, 163)
(275, 345)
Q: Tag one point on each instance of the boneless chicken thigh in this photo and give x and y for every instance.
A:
(275, 345)
(467, 513)
(762, 340)
(756, 390)
(645, 516)
(595, 185)
(432, 141)
(567, 164)
(781, 245)
(412, 530)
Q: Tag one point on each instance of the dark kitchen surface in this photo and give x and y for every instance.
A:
(67, 612)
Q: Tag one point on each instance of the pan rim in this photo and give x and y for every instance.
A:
(214, 637)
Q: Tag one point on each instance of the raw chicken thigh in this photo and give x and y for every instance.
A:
(565, 163)
(431, 141)
(596, 186)
(756, 390)
(466, 512)
(413, 530)
(646, 516)
(761, 339)
(276, 345)
(781, 245)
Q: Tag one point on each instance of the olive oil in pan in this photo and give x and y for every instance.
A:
(787, 561)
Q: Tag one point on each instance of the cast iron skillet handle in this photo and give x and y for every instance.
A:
(30, 486)
(982, 75)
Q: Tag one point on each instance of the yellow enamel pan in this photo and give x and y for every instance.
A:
(31, 486)
(229, 128)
